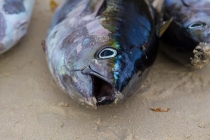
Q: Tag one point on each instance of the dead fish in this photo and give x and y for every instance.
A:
(100, 51)
(188, 36)
(14, 20)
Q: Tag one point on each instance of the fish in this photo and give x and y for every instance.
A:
(187, 39)
(14, 20)
(100, 51)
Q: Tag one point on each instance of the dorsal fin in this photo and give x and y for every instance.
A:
(164, 26)
(159, 7)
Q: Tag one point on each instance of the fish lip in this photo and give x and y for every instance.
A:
(73, 86)
(89, 102)
(103, 90)
(89, 71)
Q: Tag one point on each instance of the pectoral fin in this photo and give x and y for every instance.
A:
(164, 26)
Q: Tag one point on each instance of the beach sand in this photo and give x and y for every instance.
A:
(32, 106)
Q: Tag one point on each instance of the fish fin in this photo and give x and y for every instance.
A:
(158, 5)
(164, 26)
(53, 5)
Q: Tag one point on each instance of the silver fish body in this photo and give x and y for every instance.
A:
(100, 51)
(14, 20)
(188, 36)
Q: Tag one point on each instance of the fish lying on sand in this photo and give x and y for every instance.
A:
(100, 51)
(14, 20)
(188, 36)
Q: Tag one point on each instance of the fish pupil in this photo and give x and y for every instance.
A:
(107, 53)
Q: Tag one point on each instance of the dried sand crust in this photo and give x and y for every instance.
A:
(33, 107)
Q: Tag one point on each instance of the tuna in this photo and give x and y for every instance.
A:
(100, 51)
(188, 36)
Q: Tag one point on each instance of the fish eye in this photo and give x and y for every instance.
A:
(107, 53)
(197, 25)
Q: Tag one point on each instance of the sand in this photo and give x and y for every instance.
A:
(32, 106)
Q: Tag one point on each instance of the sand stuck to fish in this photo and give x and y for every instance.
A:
(174, 103)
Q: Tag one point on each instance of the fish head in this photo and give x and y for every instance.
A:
(96, 71)
(198, 26)
(189, 32)
(86, 67)
(103, 60)
(191, 19)
(100, 74)
(97, 64)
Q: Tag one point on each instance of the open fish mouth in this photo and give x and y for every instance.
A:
(103, 90)
(201, 55)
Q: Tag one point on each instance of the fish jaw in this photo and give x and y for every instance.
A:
(89, 88)
(103, 88)
(77, 85)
